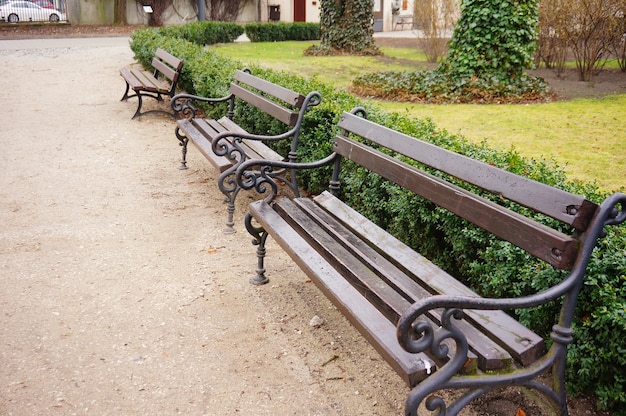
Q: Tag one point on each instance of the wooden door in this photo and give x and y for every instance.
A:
(299, 11)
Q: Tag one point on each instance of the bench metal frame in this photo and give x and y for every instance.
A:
(162, 81)
(226, 145)
(447, 342)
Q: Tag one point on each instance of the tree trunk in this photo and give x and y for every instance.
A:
(119, 8)
(347, 27)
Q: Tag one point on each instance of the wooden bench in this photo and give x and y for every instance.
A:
(225, 144)
(434, 331)
(404, 20)
(155, 84)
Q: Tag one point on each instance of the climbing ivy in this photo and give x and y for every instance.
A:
(493, 39)
(346, 27)
(491, 46)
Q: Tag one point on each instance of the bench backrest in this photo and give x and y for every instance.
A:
(548, 244)
(246, 86)
(167, 65)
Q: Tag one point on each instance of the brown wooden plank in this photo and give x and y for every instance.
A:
(129, 77)
(204, 146)
(543, 242)
(521, 342)
(256, 148)
(282, 93)
(277, 111)
(170, 59)
(553, 202)
(146, 80)
(376, 276)
(374, 327)
(165, 70)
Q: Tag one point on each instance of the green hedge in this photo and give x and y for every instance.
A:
(280, 31)
(596, 361)
(204, 33)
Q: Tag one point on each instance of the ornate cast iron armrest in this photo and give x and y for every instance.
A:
(183, 103)
(221, 147)
(415, 335)
(258, 173)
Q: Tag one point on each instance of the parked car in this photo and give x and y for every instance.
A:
(46, 4)
(13, 11)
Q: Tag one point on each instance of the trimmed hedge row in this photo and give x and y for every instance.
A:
(210, 33)
(280, 31)
(597, 359)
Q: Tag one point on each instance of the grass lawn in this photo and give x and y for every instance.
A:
(586, 136)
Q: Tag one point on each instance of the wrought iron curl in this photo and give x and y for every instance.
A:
(617, 213)
(182, 104)
(261, 180)
(227, 182)
(436, 404)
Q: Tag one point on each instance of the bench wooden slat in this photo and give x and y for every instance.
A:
(374, 275)
(171, 60)
(130, 78)
(523, 344)
(277, 111)
(282, 93)
(553, 202)
(543, 242)
(148, 82)
(258, 150)
(165, 70)
(194, 133)
(363, 315)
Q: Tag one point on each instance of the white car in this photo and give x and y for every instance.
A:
(14, 11)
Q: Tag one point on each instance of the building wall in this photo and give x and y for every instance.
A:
(88, 12)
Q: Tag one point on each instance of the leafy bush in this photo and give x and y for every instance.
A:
(596, 363)
(280, 31)
(204, 33)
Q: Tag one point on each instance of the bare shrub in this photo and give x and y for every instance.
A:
(436, 20)
(552, 44)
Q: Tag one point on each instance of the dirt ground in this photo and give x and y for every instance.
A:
(119, 292)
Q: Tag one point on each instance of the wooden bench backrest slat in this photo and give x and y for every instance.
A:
(165, 70)
(543, 242)
(277, 111)
(284, 94)
(170, 59)
(568, 208)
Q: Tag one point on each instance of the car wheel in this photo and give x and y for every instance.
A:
(54, 17)
(13, 18)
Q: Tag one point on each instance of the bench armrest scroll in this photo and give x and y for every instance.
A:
(258, 173)
(414, 335)
(183, 103)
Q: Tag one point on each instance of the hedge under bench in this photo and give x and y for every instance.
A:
(434, 331)
(161, 82)
(225, 144)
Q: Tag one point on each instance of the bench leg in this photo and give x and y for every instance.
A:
(183, 140)
(140, 94)
(139, 104)
(260, 236)
(126, 96)
(228, 186)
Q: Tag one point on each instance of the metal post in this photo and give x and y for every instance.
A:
(201, 8)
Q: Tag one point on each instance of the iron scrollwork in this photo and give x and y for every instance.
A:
(415, 335)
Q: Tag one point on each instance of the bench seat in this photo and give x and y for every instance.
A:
(162, 81)
(344, 252)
